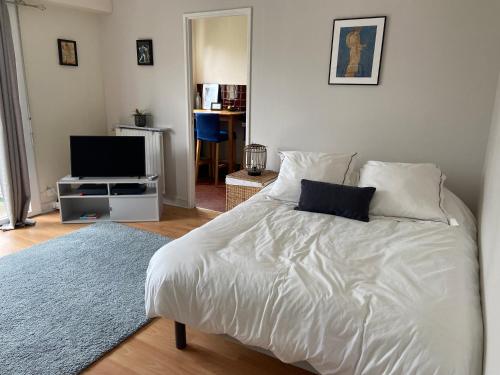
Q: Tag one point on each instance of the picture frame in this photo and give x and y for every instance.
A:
(216, 106)
(68, 53)
(144, 48)
(356, 51)
(209, 95)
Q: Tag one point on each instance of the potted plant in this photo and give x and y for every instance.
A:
(140, 118)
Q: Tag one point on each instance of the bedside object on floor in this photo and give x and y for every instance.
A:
(255, 157)
(240, 186)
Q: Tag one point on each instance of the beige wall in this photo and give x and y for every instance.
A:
(433, 104)
(64, 100)
(489, 241)
(220, 50)
(98, 6)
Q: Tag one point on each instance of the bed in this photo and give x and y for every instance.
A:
(391, 296)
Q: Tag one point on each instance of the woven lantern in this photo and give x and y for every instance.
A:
(254, 159)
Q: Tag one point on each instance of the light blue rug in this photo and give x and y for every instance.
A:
(66, 302)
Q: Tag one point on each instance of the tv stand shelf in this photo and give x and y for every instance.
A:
(108, 207)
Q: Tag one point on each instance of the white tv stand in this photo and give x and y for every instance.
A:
(108, 207)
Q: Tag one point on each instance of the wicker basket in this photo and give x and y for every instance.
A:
(237, 189)
(236, 194)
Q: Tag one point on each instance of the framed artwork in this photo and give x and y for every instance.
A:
(356, 53)
(210, 95)
(216, 106)
(145, 52)
(68, 54)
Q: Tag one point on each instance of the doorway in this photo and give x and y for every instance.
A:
(218, 71)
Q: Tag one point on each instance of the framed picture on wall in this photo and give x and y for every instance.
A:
(210, 95)
(68, 54)
(356, 52)
(145, 52)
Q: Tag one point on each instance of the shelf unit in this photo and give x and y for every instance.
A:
(125, 208)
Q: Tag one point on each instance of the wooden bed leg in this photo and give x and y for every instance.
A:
(180, 335)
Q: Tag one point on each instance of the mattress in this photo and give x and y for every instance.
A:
(385, 297)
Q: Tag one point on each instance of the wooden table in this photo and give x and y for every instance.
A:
(230, 115)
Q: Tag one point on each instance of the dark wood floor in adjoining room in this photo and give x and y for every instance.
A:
(152, 349)
(211, 196)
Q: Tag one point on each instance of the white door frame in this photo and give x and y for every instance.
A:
(188, 52)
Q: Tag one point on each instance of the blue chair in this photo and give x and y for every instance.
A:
(208, 129)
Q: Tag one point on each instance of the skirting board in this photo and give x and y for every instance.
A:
(178, 202)
(48, 207)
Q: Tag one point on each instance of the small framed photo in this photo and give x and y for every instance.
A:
(145, 52)
(68, 54)
(356, 53)
(216, 106)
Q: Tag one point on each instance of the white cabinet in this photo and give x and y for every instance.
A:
(108, 207)
(140, 208)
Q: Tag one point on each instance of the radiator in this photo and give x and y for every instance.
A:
(155, 161)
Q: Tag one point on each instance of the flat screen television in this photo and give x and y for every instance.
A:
(107, 156)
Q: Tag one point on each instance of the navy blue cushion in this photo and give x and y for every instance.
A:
(340, 200)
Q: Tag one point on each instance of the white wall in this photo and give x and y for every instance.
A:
(220, 50)
(434, 102)
(64, 100)
(98, 6)
(489, 242)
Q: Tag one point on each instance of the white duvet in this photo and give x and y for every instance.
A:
(384, 297)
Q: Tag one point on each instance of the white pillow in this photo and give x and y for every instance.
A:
(405, 190)
(316, 166)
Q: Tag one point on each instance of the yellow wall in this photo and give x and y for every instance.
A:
(220, 50)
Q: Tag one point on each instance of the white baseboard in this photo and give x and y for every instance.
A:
(45, 209)
(178, 202)
(49, 206)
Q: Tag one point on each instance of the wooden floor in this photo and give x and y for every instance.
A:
(152, 349)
